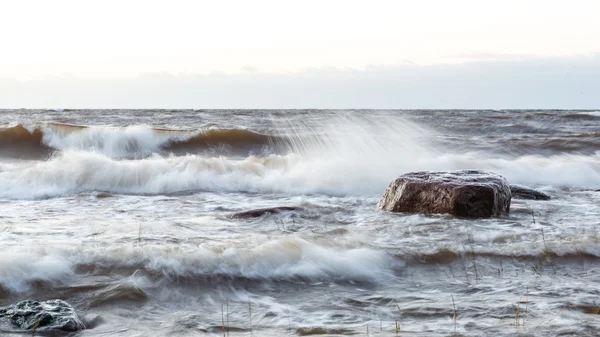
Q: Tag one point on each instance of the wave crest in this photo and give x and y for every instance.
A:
(284, 259)
(138, 141)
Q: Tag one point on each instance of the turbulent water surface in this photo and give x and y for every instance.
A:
(125, 214)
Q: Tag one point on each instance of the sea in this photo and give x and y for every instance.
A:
(127, 216)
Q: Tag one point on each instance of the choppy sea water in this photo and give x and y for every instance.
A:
(125, 215)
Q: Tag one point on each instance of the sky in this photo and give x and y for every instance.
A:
(299, 54)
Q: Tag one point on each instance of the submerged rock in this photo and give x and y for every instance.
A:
(49, 315)
(523, 192)
(310, 331)
(468, 193)
(255, 213)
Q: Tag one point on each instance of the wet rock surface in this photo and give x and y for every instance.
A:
(467, 193)
(48, 315)
(524, 192)
(255, 213)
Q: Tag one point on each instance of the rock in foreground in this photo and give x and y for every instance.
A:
(49, 315)
(468, 194)
(523, 192)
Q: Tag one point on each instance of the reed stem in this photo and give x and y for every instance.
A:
(526, 304)
(227, 308)
(222, 320)
(517, 314)
(454, 317)
(250, 314)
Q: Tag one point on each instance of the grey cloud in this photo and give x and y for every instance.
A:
(568, 83)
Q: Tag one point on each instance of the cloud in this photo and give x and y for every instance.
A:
(567, 83)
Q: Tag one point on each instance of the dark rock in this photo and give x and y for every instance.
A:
(523, 192)
(310, 331)
(469, 194)
(255, 213)
(49, 315)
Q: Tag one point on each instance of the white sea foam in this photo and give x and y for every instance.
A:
(280, 259)
(592, 113)
(18, 267)
(115, 142)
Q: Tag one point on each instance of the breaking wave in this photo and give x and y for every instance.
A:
(344, 156)
(40, 140)
(289, 259)
(286, 259)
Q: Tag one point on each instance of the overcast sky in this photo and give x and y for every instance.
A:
(300, 54)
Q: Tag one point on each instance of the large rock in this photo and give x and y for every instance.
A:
(523, 192)
(49, 315)
(469, 194)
